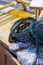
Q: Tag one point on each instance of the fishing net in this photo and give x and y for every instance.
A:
(37, 31)
(20, 31)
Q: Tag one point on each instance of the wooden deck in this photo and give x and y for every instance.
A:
(6, 21)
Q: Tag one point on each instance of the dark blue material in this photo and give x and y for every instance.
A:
(28, 56)
(23, 33)
(37, 30)
(30, 34)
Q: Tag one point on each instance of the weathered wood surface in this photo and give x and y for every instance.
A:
(5, 24)
(8, 55)
(8, 5)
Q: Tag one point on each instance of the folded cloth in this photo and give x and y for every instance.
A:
(28, 56)
(18, 45)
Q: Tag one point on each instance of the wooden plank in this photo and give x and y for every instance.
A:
(15, 3)
(5, 18)
(3, 15)
(5, 29)
(23, 1)
(1, 57)
(38, 5)
(8, 5)
(8, 54)
(4, 34)
(6, 21)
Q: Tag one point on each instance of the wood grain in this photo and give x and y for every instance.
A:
(4, 34)
(14, 3)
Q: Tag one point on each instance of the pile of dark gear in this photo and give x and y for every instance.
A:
(20, 31)
(30, 31)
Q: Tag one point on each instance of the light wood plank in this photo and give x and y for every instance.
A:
(15, 3)
(5, 18)
(3, 15)
(23, 1)
(5, 29)
(8, 5)
(6, 21)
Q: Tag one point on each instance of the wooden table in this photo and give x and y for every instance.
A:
(38, 5)
(6, 21)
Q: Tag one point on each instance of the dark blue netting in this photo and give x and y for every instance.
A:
(25, 36)
(37, 30)
(20, 30)
(28, 56)
(32, 34)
